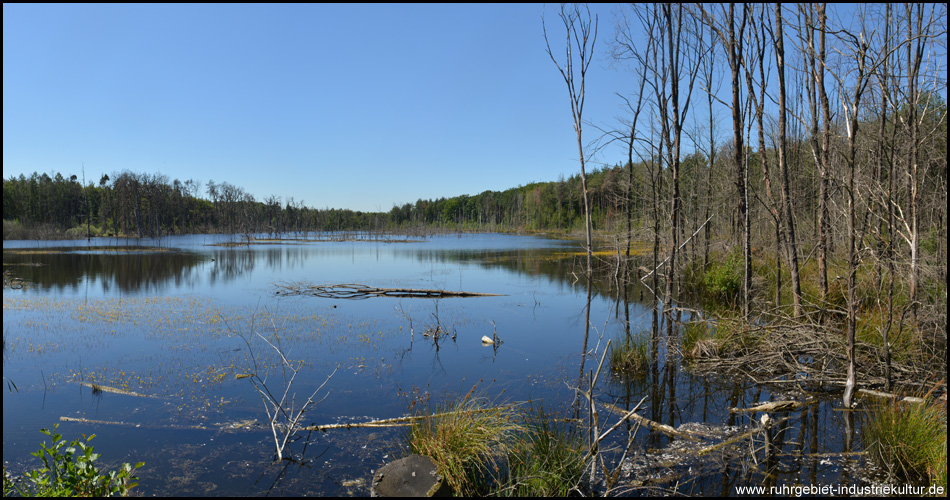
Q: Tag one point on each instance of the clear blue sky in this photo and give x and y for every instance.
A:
(341, 106)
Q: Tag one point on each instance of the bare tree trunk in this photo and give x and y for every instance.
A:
(783, 165)
(580, 30)
(732, 42)
(824, 225)
(851, 117)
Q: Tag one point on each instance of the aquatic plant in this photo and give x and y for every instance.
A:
(465, 439)
(628, 357)
(909, 440)
(547, 459)
(70, 470)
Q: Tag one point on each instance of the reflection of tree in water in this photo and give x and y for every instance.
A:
(229, 264)
(562, 268)
(131, 269)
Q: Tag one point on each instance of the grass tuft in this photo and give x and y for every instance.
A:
(464, 440)
(546, 460)
(628, 357)
(909, 439)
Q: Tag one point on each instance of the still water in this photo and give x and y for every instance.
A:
(175, 321)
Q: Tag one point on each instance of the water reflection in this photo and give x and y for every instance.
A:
(167, 318)
(128, 269)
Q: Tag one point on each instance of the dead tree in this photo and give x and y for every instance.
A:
(580, 34)
(732, 43)
(789, 218)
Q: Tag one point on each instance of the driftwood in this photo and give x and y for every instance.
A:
(394, 422)
(665, 429)
(116, 390)
(745, 435)
(225, 427)
(774, 406)
(879, 394)
(357, 291)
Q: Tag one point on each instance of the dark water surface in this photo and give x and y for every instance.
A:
(174, 319)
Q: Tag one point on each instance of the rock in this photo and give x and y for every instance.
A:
(413, 476)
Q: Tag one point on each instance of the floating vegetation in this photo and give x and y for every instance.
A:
(12, 282)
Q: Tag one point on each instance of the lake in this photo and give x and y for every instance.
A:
(172, 326)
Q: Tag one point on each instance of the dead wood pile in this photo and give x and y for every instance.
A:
(809, 356)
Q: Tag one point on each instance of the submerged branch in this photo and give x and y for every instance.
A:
(357, 291)
(398, 421)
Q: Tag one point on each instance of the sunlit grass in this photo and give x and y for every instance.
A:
(465, 440)
(909, 440)
(546, 459)
(628, 357)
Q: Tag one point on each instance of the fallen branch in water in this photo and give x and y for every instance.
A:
(115, 390)
(357, 291)
(740, 437)
(650, 424)
(395, 422)
(774, 406)
(248, 425)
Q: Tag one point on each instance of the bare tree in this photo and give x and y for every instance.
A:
(789, 218)
(580, 34)
(731, 37)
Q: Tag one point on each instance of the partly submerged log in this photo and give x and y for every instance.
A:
(115, 390)
(774, 406)
(650, 424)
(358, 291)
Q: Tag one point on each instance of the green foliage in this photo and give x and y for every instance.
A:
(909, 439)
(723, 280)
(70, 470)
(82, 231)
(546, 460)
(463, 440)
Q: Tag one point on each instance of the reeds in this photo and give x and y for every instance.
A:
(483, 450)
(909, 440)
(628, 357)
(465, 440)
(547, 459)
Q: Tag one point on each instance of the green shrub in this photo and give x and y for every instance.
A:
(724, 280)
(70, 470)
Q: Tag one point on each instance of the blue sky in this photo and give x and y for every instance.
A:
(341, 106)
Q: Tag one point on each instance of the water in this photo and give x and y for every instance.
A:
(177, 319)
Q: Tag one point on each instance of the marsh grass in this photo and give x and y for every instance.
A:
(628, 357)
(909, 440)
(465, 440)
(697, 342)
(546, 459)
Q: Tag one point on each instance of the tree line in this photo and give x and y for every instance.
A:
(151, 205)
